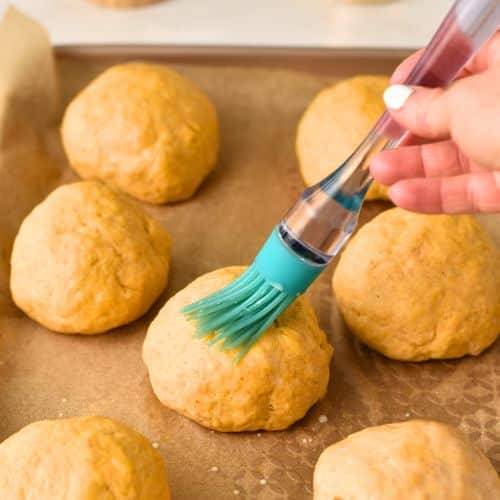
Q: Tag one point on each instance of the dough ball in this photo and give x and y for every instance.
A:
(84, 458)
(273, 386)
(86, 260)
(377, 192)
(413, 460)
(334, 124)
(143, 129)
(416, 287)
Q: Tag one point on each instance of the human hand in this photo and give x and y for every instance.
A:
(451, 163)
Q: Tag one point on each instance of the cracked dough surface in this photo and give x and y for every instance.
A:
(87, 260)
(144, 129)
(334, 124)
(417, 287)
(83, 458)
(414, 460)
(273, 386)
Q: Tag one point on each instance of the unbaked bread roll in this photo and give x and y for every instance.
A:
(144, 129)
(87, 260)
(84, 458)
(415, 287)
(334, 124)
(273, 385)
(377, 192)
(415, 460)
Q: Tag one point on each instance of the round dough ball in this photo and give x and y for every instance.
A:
(377, 192)
(274, 385)
(413, 460)
(86, 260)
(334, 124)
(416, 287)
(143, 129)
(84, 458)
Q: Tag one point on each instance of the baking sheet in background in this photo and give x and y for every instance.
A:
(47, 375)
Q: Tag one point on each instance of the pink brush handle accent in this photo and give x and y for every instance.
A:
(467, 26)
(326, 214)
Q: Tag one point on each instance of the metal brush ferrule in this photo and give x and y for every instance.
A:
(326, 214)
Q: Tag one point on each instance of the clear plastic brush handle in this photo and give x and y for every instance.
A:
(317, 226)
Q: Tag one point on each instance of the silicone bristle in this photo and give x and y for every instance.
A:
(240, 312)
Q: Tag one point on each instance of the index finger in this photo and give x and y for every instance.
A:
(470, 193)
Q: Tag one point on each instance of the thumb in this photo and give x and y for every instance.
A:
(424, 112)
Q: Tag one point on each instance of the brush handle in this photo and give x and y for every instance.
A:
(464, 30)
(318, 225)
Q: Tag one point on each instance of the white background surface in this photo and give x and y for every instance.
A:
(293, 23)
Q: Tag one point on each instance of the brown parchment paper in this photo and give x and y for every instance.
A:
(48, 375)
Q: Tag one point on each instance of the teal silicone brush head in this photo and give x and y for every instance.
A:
(240, 313)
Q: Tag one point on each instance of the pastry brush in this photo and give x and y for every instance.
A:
(314, 230)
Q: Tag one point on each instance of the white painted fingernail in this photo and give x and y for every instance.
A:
(395, 96)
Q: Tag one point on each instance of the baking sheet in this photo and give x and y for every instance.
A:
(48, 375)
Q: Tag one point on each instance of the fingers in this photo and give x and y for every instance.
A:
(440, 159)
(467, 112)
(437, 177)
(424, 112)
(476, 192)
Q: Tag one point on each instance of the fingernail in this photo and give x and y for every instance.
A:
(395, 96)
